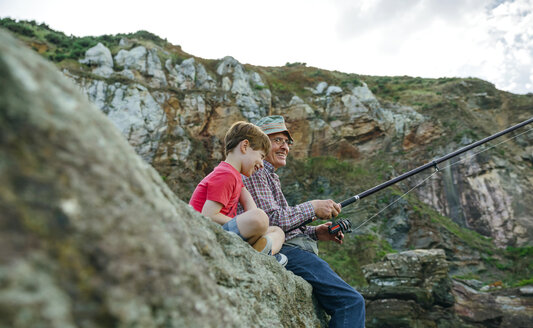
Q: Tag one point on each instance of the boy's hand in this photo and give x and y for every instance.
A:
(326, 209)
(322, 233)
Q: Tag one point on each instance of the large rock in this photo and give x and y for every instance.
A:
(251, 96)
(155, 70)
(136, 112)
(409, 289)
(483, 194)
(132, 59)
(91, 236)
(99, 56)
(508, 308)
(420, 275)
(413, 289)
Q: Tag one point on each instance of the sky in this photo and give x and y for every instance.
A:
(488, 39)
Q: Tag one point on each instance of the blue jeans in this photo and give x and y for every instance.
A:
(343, 303)
(231, 226)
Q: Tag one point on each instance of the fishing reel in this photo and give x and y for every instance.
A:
(342, 225)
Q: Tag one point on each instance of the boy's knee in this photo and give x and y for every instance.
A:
(277, 230)
(260, 219)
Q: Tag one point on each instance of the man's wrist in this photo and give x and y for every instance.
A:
(311, 232)
(308, 211)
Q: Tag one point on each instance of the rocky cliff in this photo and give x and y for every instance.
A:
(353, 132)
(175, 116)
(413, 289)
(91, 236)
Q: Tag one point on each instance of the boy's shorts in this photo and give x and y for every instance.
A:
(231, 226)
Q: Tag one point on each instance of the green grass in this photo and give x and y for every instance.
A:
(470, 237)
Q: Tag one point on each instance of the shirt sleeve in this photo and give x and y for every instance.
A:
(220, 188)
(311, 232)
(286, 217)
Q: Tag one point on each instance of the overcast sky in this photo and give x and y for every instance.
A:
(488, 39)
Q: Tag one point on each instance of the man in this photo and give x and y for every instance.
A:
(345, 305)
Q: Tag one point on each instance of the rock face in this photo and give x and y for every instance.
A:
(412, 289)
(409, 289)
(499, 309)
(91, 236)
(135, 111)
(484, 194)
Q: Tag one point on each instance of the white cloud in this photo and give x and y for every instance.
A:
(489, 39)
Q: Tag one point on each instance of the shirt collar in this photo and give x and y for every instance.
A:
(269, 167)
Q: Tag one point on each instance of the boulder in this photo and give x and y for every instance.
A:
(204, 81)
(134, 111)
(186, 74)
(98, 55)
(409, 289)
(91, 236)
(248, 89)
(506, 308)
(320, 88)
(227, 66)
(421, 275)
(364, 94)
(133, 59)
(333, 89)
(155, 70)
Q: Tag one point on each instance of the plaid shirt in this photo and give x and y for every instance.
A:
(265, 187)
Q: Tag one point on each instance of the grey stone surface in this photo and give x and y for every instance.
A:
(132, 59)
(98, 55)
(320, 88)
(92, 237)
(155, 70)
(134, 111)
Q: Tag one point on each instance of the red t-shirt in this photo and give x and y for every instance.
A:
(223, 185)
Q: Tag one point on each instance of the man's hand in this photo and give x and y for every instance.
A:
(326, 209)
(322, 233)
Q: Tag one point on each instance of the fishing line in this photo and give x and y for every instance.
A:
(398, 199)
(435, 172)
(489, 148)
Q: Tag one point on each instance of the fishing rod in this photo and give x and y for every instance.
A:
(345, 225)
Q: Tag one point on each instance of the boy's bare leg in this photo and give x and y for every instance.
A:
(252, 224)
(278, 238)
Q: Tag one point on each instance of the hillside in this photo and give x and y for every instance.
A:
(352, 132)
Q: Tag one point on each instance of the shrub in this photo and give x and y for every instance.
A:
(351, 82)
(295, 64)
(142, 34)
(57, 39)
(16, 27)
(58, 57)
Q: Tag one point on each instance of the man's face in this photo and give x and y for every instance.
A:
(280, 149)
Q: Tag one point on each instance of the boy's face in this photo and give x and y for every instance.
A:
(253, 161)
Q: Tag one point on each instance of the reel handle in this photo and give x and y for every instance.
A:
(342, 225)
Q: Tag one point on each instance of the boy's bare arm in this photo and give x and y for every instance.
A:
(212, 209)
(246, 200)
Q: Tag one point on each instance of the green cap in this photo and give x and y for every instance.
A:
(273, 124)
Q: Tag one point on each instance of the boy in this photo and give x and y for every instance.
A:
(219, 193)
